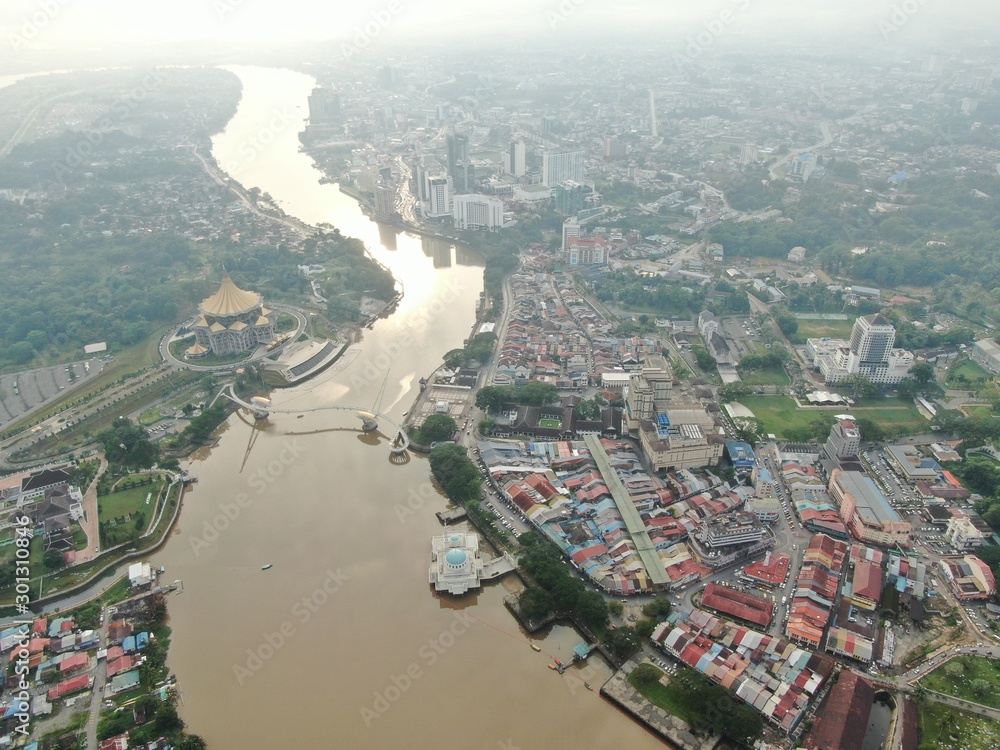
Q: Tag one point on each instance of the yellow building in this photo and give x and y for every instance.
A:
(231, 321)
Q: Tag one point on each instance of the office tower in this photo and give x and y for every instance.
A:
(653, 129)
(518, 158)
(559, 167)
(385, 201)
(459, 166)
(324, 105)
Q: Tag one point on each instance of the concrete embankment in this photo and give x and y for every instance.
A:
(677, 733)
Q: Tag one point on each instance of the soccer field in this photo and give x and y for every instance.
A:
(550, 424)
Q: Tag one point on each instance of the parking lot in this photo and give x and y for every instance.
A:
(21, 392)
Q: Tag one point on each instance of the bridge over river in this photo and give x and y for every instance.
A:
(262, 408)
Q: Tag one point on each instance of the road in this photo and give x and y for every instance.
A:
(89, 522)
(827, 140)
(100, 678)
(30, 119)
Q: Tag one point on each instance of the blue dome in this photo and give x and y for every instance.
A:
(456, 557)
(456, 538)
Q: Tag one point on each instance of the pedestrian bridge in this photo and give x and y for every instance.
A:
(262, 409)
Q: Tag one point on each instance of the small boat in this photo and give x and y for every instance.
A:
(558, 663)
(535, 647)
(266, 567)
(587, 685)
(552, 666)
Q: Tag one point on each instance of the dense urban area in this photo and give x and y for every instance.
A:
(730, 404)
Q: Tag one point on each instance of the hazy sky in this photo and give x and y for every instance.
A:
(55, 24)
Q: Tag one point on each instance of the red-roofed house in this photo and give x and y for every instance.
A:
(74, 663)
(867, 586)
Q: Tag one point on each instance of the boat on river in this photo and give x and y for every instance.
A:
(266, 567)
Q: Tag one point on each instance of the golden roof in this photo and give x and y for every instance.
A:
(230, 300)
(262, 321)
(196, 349)
(239, 325)
(216, 327)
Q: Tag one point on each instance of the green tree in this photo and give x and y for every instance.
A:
(436, 428)
(588, 410)
(54, 559)
(922, 372)
(535, 602)
(537, 393)
(646, 674)
(492, 397)
(658, 609)
(623, 642)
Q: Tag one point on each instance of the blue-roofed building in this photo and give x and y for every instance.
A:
(741, 455)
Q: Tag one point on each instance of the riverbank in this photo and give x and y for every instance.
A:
(668, 727)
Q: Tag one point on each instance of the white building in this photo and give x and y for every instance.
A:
(438, 197)
(140, 574)
(986, 354)
(963, 535)
(869, 352)
(559, 167)
(456, 566)
(477, 212)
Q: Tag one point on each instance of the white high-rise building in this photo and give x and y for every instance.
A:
(869, 352)
(559, 167)
(439, 197)
(570, 231)
(477, 212)
(515, 159)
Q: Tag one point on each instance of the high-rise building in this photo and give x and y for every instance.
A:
(516, 163)
(559, 167)
(324, 105)
(459, 166)
(439, 197)
(844, 440)
(473, 211)
(614, 148)
(872, 338)
(748, 154)
(385, 201)
(570, 230)
(568, 197)
(869, 352)
(653, 127)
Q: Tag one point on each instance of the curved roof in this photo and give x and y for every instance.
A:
(230, 300)
(456, 557)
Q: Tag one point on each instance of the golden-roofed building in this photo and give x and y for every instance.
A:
(231, 321)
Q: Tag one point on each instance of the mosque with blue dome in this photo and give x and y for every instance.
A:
(456, 566)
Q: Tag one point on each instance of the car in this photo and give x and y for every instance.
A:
(97, 549)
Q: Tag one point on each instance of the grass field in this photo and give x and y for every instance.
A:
(128, 502)
(670, 697)
(818, 329)
(970, 370)
(944, 728)
(770, 376)
(978, 410)
(779, 414)
(550, 424)
(960, 686)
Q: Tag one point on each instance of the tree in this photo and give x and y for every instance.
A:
(981, 687)
(658, 609)
(537, 393)
(454, 359)
(788, 323)
(535, 602)
(922, 373)
(749, 430)
(646, 674)
(588, 410)
(991, 556)
(645, 627)
(623, 642)
(54, 559)
(492, 397)
(436, 428)
(592, 609)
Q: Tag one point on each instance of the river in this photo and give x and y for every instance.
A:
(342, 643)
